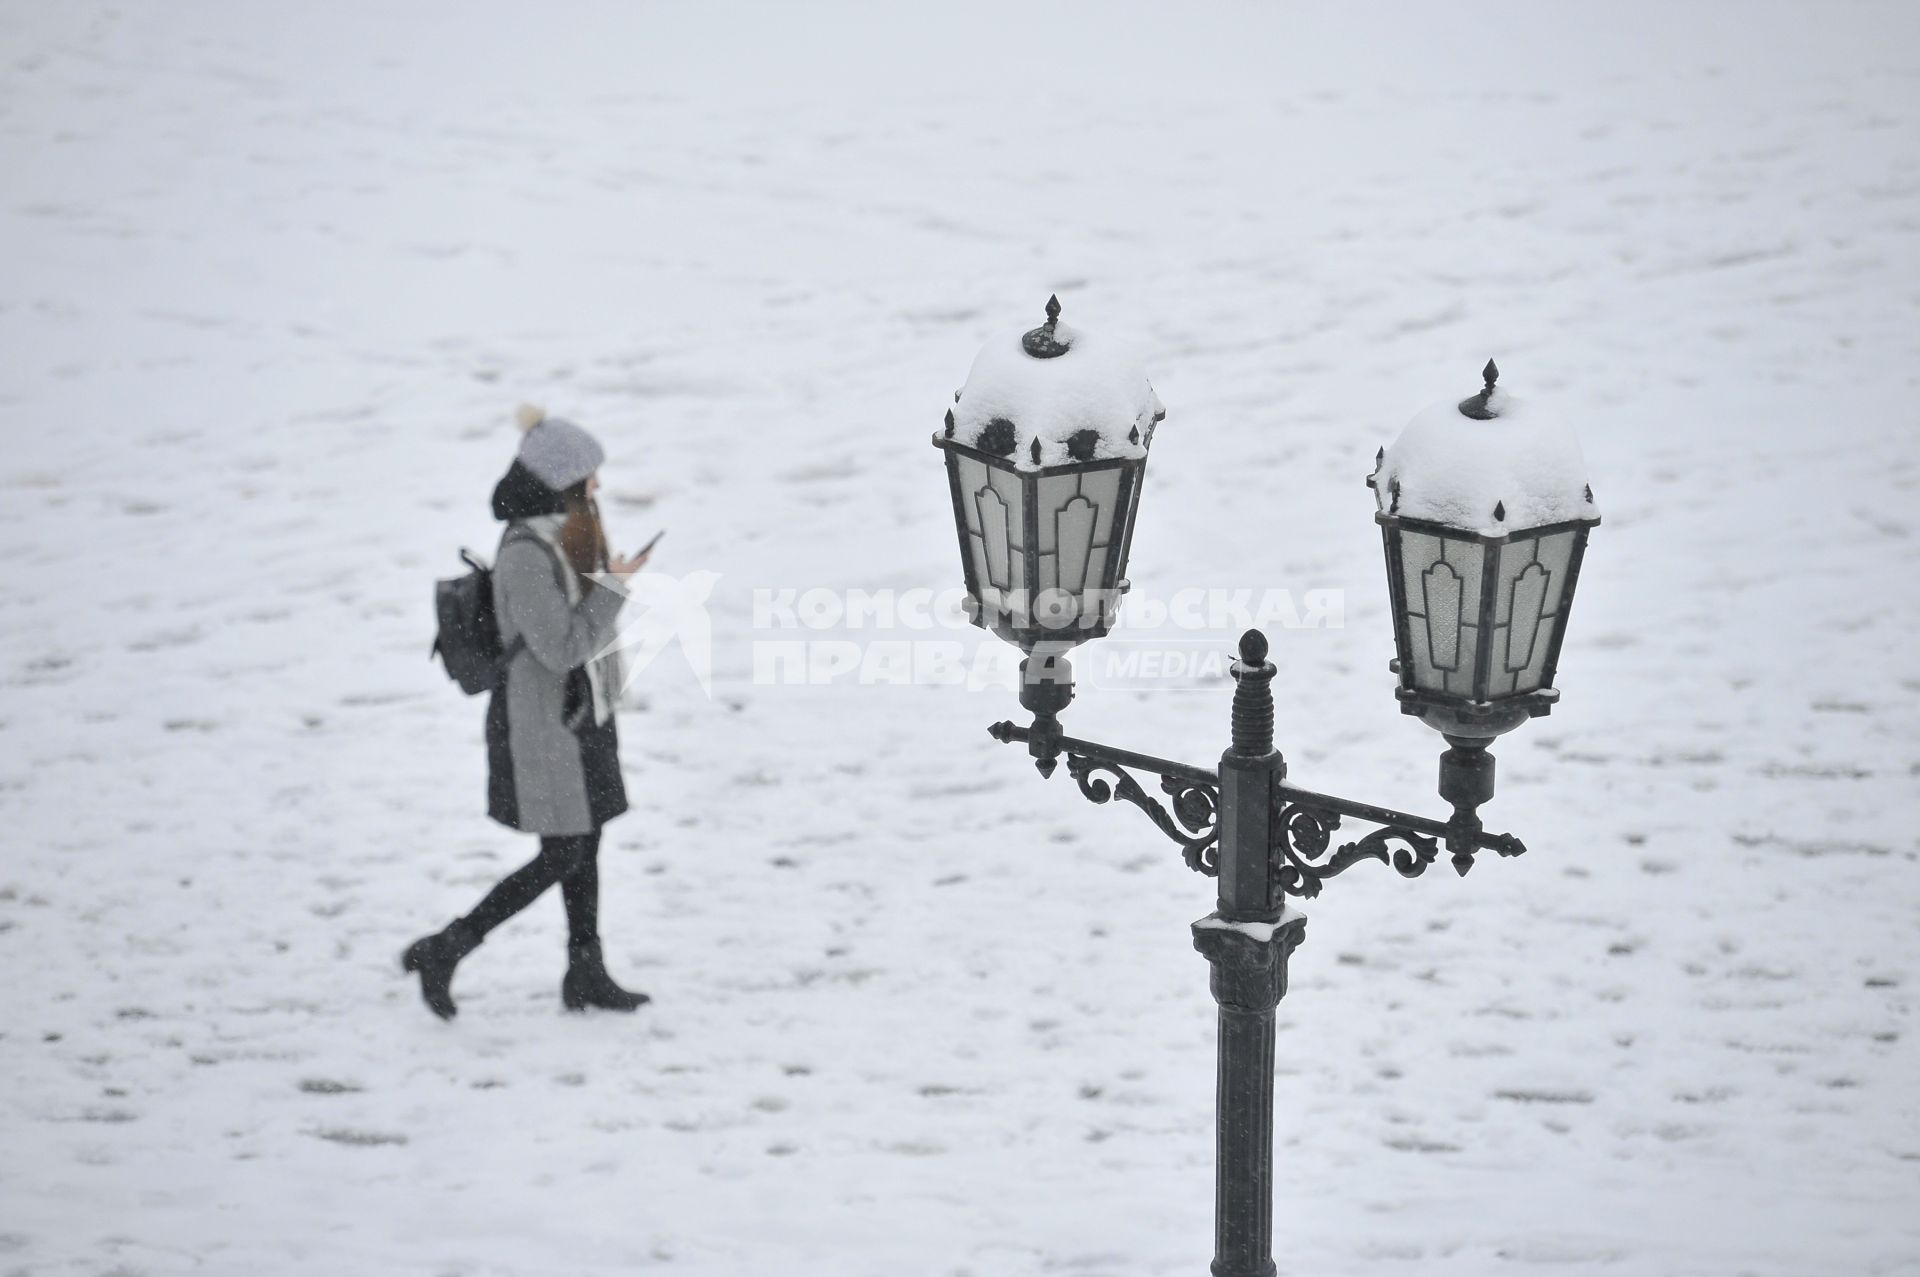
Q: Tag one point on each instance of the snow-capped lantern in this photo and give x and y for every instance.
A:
(1485, 509)
(1046, 446)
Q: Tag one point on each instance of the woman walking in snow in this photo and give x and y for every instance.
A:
(552, 753)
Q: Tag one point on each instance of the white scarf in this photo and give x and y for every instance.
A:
(603, 670)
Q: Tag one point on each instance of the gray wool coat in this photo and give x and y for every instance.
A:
(550, 768)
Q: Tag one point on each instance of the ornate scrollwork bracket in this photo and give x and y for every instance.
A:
(1194, 792)
(1303, 830)
(1303, 834)
(1194, 822)
(1302, 856)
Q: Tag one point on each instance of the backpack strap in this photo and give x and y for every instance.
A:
(521, 532)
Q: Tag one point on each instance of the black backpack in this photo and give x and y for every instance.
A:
(468, 643)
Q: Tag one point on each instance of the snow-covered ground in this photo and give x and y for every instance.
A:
(274, 278)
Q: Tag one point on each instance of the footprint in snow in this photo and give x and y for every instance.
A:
(109, 1116)
(162, 639)
(1531, 1095)
(359, 1139)
(914, 1148)
(327, 1086)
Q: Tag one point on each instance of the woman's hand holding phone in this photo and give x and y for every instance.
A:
(628, 566)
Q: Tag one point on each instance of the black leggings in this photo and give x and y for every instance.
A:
(573, 861)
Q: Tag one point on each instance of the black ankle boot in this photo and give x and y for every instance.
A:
(588, 984)
(435, 957)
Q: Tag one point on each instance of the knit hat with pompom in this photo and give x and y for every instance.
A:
(556, 452)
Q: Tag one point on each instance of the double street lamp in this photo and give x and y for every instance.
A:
(1484, 512)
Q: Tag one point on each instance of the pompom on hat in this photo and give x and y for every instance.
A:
(556, 452)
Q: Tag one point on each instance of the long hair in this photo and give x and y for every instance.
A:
(582, 538)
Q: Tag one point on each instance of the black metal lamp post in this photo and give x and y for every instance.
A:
(1485, 515)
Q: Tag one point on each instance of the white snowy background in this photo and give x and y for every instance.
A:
(274, 277)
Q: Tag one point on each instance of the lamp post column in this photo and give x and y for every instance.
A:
(1247, 941)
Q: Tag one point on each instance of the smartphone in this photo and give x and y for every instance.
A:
(648, 547)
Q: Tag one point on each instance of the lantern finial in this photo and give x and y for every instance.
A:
(1475, 406)
(1040, 342)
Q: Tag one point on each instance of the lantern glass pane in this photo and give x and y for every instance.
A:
(1102, 487)
(1532, 585)
(972, 478)
(992, 505)
(1076, 527)
(993, 502)
(1440, 577)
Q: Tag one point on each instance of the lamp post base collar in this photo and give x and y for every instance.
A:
(1259, 932)
(1249, 961)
